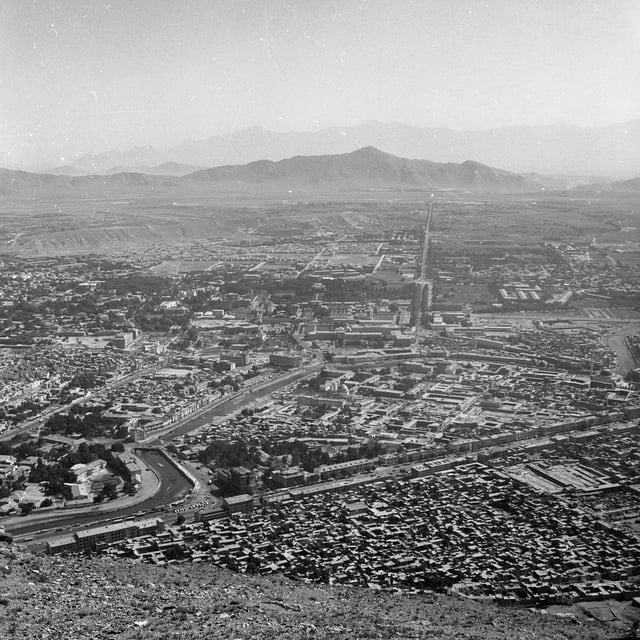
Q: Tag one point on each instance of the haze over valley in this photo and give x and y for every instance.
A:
(320, 319)
(560, 149)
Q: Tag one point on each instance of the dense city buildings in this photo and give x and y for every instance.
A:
(392, 406)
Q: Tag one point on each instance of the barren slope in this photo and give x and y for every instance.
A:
(45, 597)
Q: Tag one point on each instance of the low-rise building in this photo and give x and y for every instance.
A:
(285, 360)
(242, 503)
(97, 537)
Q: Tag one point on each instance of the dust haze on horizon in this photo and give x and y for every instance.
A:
(84, 77)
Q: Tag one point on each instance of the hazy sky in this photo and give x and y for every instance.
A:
(86, 76)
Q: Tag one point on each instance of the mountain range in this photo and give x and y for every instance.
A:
(611, 152)
(366, 169)
(620, 186)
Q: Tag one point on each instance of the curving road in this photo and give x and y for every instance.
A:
(173, 486)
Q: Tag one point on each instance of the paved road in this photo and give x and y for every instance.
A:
(173, 486)
(422, 281)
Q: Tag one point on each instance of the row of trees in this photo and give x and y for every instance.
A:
(137, 283)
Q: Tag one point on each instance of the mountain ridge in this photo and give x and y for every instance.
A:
(611, 150)
(176, 169)
(366, 168)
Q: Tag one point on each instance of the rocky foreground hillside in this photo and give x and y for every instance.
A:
(44, 597)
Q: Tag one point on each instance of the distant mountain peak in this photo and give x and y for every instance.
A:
(366, 168)
(369, 150)
(612, 150)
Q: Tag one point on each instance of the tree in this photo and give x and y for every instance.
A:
(26, 508)
(109, 491)
(180, 519)
(129, 488)
(117, 447)
(84, 380)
